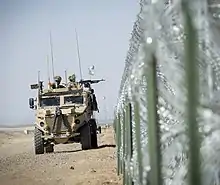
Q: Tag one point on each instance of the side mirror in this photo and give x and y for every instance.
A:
(31, 103)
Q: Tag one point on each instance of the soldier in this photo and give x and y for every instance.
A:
(72, 82)
(58, 80)
(94, 101)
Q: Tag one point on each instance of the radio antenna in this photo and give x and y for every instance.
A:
(51, 50)
(48, 69)
(77, 44)
(39, 85)
(66, 76)
(38, 77)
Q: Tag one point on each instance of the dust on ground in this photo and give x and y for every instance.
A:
(67, 165)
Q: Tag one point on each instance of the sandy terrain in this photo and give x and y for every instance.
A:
(67, 165)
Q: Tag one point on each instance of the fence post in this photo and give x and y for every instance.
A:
(138, 139)
(123, 157)
(153, 125)
(192, 80)
(129, 139)
(118, 136)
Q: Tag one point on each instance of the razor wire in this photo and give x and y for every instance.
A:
(160, 25)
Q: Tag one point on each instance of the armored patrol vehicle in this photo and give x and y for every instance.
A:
(64, 114)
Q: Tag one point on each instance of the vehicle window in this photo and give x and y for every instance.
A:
(73, 100)
(52, 101)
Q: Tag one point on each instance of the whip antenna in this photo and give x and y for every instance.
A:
(77, 44)
(51, 50)
(66, 76)
(38, 77)
(48, 69)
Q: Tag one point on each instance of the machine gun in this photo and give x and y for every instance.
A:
(87, 83)
(90, 81)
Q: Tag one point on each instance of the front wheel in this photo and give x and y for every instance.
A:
(38, 142)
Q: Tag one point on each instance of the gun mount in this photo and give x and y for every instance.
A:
(65, 114)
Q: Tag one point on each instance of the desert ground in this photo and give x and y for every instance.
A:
(68, 165)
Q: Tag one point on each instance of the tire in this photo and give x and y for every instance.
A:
(93, 127)
(85, 137)
(38, 142)
(49, 148)
(94, 141)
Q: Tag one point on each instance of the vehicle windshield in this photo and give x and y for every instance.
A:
(73, 100)
(50, 101)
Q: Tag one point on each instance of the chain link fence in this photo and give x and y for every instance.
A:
(167, 121)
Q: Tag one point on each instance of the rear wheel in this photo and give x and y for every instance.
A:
(93, 127)
(38, 142)
(94, 141)
(85, 137)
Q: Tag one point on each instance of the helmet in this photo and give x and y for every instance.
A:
(57, 79)
(72, 78)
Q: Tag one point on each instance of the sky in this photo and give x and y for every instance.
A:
(104, 29)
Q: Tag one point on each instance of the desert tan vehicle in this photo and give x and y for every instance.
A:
(64, 114)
